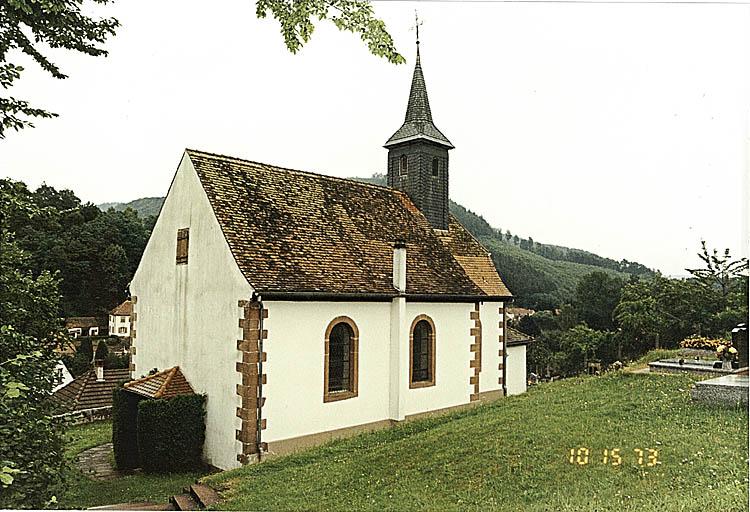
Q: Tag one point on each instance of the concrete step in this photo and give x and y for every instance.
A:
(184, 502)
(204, 495)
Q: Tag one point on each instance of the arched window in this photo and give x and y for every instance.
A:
(422, 352)
(341, 360)
(403, 167)
(435, 168)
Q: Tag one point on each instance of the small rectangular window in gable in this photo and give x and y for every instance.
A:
(182, 245)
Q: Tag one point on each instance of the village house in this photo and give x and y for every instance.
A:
(78, 326)
(119, 320)
(307, 306)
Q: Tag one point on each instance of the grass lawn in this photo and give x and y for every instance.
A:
(513, 454)
(83, 492)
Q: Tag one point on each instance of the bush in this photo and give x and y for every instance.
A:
(702, 342)
(125, 428)
(171, 433)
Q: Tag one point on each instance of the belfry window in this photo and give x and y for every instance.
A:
(435, 168)
(403, 166)
(341, 360)
(422, 352)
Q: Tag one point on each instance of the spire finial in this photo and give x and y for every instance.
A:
(417, 23)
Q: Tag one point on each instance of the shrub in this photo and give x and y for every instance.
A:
(171, 433)
(125, 428)
(702, 342)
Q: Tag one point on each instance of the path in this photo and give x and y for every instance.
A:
(97, 463)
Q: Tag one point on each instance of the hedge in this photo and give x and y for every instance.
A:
(171, 433)
(124, 428)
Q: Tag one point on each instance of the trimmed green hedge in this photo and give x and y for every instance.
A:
(171, 433)
(124, 428)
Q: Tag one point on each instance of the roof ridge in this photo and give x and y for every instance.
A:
(169, 378)
(289, 169)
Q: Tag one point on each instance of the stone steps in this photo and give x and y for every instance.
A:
(196, 497)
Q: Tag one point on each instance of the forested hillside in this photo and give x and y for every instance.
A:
(541, 276)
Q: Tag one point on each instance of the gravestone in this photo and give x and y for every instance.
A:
(739, 341)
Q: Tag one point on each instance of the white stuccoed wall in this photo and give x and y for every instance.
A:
(296, 349)
(452, 356)
(516, 369)
(489, 377)
(187, 315)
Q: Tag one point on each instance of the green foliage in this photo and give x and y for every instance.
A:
(721, 273)
(31, 459)
(171, 433)
(512, 455)
(30, 26)
(94, 253)
(296, 18)
(597, 294)
(125, 428)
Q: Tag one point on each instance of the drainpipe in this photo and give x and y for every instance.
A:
(399, 341)
(258, 435)
(505, 349)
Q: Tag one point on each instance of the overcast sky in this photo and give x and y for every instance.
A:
(622, 129)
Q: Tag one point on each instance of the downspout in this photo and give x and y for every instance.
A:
(259, 402)
(505, 349)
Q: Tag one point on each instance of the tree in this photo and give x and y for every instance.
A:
(296, 20)
(31, 455)
(721, 272)
(102, 351)
(86, 349)
(597, 294)
(28, 24)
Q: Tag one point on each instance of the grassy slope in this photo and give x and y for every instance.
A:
(513, 455)
(83, 492)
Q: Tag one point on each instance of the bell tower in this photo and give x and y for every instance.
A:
(418, 155)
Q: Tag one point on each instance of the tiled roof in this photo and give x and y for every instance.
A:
(86, 393)
(84, 322)
(298, 232)
(165, 384)
(418, 122)
(124, 309)
(516, 337)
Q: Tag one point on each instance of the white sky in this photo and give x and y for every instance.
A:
(622, 129)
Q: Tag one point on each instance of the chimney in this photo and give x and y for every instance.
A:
(99, 366)
(399, 265)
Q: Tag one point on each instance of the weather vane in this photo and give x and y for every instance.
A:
(417, 23)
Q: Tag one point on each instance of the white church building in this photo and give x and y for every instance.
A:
(307, 306)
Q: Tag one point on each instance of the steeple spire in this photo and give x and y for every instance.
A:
(418, 122)
(418, 154)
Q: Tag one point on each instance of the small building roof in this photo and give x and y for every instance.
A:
(84, 322)
(165, 384)
(516, 337)
(299, 234)
(85, 392)
(124, 309)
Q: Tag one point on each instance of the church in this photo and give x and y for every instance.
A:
(307, 307)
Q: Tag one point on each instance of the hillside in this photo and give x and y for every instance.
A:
(541, 276)
(514, 454)
(145, 206)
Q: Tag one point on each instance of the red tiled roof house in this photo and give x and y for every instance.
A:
(306, 306)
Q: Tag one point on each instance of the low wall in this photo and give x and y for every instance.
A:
(86, 415)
